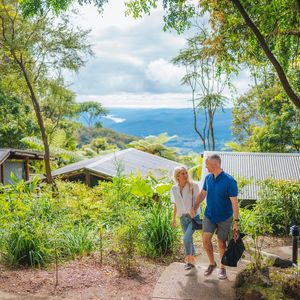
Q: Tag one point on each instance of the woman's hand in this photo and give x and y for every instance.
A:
(193, 213)
(174, 223)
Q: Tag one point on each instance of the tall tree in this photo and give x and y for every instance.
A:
(207, 82)
(36, 49)
(91, 112)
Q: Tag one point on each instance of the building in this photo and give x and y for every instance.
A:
(16, 161)
(105, 167)
(256, 167)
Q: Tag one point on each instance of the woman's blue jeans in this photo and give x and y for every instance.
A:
(186, 225)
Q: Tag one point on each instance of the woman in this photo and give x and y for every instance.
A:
(183, 195)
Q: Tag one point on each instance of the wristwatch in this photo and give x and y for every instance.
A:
(236, 220)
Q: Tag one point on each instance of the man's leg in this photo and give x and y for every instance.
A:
(208, 247)
(223, 233)
(222, 248)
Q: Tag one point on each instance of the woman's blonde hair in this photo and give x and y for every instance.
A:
(177, 170)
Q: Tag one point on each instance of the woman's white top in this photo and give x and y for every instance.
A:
(185, 201)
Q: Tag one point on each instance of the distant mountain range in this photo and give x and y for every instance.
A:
(143, 122)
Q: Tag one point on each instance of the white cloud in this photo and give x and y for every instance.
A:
(131, 67)
(164, 72)
(144, 100)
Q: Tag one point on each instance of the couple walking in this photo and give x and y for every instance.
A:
(220, 190)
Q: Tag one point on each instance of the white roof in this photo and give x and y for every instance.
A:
(130, 161)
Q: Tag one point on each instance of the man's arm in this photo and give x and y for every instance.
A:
(235, 208)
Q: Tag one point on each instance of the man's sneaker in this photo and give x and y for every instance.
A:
(210, 269)
(222, 273)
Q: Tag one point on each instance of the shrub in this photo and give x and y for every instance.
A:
(127, 240)
(26, 247)
(78, 240)
(159, 237)
(24, 213)
(279, 203)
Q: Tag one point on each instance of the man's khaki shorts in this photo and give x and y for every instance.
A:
(222, 229)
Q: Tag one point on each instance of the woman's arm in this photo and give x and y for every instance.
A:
(200, 197)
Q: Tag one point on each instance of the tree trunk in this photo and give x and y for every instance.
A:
(195, 122)
(212, 132)
(279, 70)
(37, 110)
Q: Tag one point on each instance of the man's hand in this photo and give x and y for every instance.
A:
(235, 230)
(174, 223)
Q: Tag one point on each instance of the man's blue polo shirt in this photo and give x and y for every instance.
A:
(218, 190)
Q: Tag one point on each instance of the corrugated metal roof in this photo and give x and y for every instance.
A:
(257, 166)
(4, 153)
(19, 154)
(130, 159)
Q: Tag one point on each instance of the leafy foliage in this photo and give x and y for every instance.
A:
(91, 112)
(207, 81)
(127, 240)
(155, 145)
(159, 237)
(16, 121)
(279, 204)
(265, 121)
(262, 36)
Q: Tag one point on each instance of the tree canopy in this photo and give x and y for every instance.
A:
(265, 34)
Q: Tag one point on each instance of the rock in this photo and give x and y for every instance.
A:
(282, 263)
(257, 277)
(261, 277)
(242, 278)
(253, 295)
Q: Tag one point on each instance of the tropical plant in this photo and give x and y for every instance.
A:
(156, 145)
(159, 237)
(127, 241)
(279, 204)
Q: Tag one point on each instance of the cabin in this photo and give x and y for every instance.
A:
(16, 161)
(256, 167)
(126, 162)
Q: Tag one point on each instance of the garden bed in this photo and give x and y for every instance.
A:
(83, 278)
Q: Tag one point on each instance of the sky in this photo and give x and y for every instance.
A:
(131, 67)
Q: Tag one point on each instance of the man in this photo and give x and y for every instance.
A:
(220, 190)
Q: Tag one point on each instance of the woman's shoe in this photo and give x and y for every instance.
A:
(189, 266)
(192, 260)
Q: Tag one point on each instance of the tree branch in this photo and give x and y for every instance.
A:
(279, 70)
